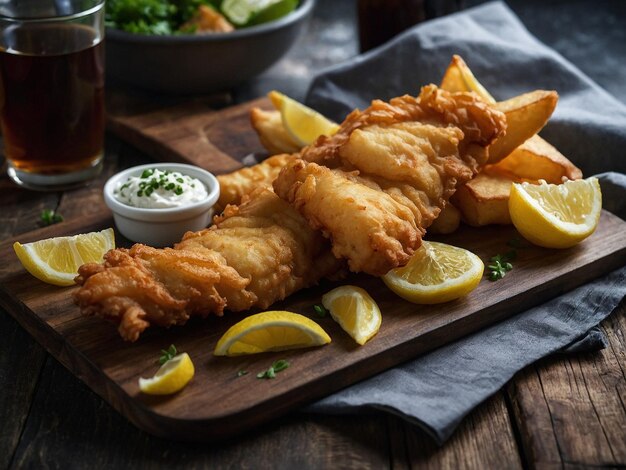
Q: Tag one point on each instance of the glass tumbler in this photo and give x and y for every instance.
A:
(52, 91)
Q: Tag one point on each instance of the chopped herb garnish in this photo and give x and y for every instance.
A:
(140, 193)
(147, 173)
(270, 373)
(168, 354)
(178, 191)
(50, 217)
(320, 310)
(241, 373)
(500, 265)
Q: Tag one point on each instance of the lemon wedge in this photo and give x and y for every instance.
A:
(304, 124)
(171, 376)
(270, 331)
(556, 215)
(355, 311)
(56, 260)
(436, 273)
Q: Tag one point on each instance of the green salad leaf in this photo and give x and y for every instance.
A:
(164, 17)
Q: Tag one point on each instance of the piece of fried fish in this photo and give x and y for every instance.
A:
(372, 189)
(376, 185)
(254, 255)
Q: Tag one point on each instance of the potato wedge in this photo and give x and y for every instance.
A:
(525, 115)
(272, 134)
(536, 159)
(459, 77)
(484, 200)
(448, 221)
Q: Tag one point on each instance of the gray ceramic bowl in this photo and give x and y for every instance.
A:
(203, 63)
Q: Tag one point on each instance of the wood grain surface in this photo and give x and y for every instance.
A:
(191, 132)
(223, 403)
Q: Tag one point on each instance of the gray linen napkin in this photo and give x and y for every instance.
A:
(438, 389)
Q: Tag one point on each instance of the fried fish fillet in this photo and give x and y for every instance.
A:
(235, 185)
(380, 181)
(254, 255)
(372, 189)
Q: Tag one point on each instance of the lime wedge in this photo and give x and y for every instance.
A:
(273, 12)
(248, 12)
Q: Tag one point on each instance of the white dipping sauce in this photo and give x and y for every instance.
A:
(158, 189)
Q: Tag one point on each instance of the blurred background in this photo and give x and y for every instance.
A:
(591, 34)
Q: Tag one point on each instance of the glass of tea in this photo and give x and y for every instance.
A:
(52, 91)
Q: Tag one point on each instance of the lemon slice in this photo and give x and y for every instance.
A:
(556, 215)
(304, 124)
(270, 331)
(171, 376)
(355, 311)
(436, 273)
(56, 260)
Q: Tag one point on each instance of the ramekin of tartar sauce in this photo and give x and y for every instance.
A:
(156, 204)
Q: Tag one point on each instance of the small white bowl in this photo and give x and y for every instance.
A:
(162, 227)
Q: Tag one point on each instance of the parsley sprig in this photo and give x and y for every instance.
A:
(320, 310)
(270, 373)
(500, 265)
(167, 354)
(50, 217)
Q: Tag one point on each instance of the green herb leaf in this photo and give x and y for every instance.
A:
(50, 217)
(500, 265)
(280, 365)
(270, 373)
(320, 310)
(167, 354)
(147, 173)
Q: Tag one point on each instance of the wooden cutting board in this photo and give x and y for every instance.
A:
(218, 403)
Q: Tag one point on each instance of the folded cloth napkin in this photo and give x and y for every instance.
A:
(437, 390)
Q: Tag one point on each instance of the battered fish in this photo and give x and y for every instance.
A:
(375, 186)
(254, 255)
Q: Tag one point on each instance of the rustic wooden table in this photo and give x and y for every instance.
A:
(564, 411)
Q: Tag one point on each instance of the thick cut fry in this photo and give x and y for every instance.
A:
(484, 200)
(448, 221)
(233, 186)
(536, 159)
(525, 116)
(272, 134)
(459, 77)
